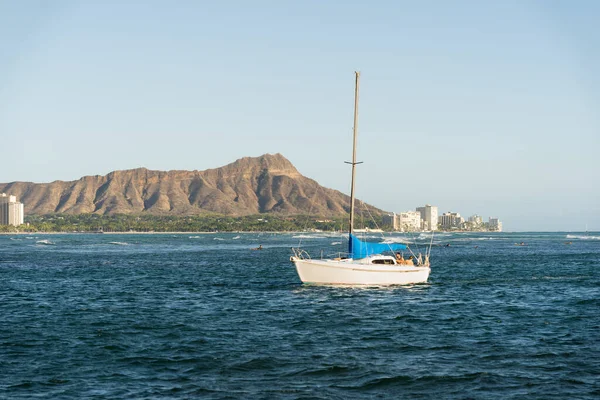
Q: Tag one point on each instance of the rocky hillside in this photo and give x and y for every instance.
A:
(265, 184)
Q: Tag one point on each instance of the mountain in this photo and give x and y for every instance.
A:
(250, 185)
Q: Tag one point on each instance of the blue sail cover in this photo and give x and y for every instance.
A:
(359, 249)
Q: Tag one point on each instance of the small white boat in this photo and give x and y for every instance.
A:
(364, 264)
(372, 270)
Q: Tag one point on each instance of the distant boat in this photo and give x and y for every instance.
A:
(364, 264)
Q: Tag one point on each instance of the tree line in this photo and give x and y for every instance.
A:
(162, 223)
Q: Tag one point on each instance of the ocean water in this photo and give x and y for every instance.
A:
(177, 316)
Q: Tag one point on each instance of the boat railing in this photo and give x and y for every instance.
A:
(300, 254)
(338, 256)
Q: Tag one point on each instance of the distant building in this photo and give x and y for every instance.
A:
(474, 223)
(410, 221)
(429, 215)
(451, 220)
(11, 211)
(476, 219)
(495, 224)
(391, 220)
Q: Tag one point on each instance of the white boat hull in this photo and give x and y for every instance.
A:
(355, 272)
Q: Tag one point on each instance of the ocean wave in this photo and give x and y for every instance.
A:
(194, 237)
(427, 236)
(396, 240)
(235, 238)
(45, 242)
(308, 237)
(335, 243)
(471, 239)
(583, 237)
(119, 243)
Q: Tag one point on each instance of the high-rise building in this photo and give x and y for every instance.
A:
(11, 211)
(429, 215)
(410, 221)
(476, 219)
(451, 220)
(475, 222)
(495, 224)
(391, 220)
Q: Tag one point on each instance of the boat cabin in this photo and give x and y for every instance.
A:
(380, 259)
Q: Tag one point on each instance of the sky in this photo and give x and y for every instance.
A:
(477, 107)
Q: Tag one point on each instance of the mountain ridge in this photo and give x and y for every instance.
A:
(250, 185)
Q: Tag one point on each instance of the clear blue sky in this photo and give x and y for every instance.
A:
(478, 107)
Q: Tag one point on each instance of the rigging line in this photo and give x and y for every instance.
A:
(430, 244)
(415, 242)
(377, 226)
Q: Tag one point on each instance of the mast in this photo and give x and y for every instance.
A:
(354, 132)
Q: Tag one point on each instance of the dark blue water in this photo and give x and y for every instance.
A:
(203, 316)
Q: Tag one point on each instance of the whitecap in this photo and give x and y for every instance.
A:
(395, 240)
(45, 242)
(308, 237)
(583, 237)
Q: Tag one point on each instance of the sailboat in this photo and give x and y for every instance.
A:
(365, 263)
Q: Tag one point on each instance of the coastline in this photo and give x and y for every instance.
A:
(272, 232)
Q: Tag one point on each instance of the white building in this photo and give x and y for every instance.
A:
(429, 215)
(410, 221)
(495, 224)
(476, 219)
(451, 220)
(11, 211)
(475, 222)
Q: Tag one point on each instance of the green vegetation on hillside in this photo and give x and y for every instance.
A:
(153, 223)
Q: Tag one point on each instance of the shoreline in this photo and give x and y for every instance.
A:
(273, 232)
(142, 233)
